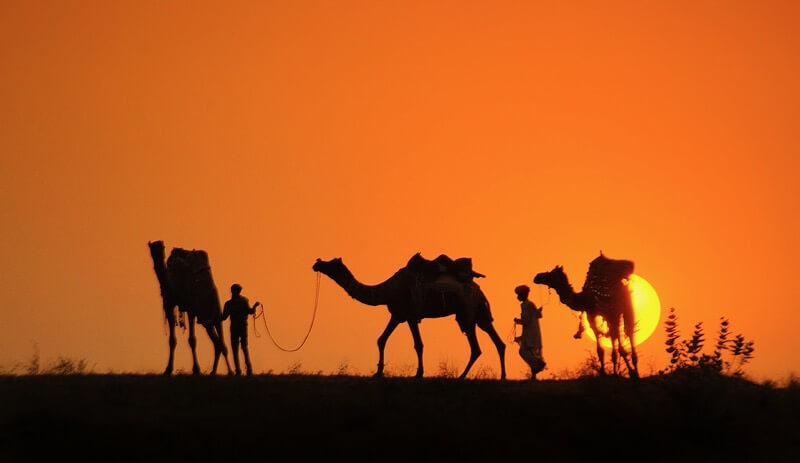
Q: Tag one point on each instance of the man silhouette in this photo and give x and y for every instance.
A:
(238, 308)
(530, 343)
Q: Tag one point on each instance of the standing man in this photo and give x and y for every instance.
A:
(530, 343)
(238, 308)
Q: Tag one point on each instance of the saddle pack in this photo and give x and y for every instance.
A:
(605, 276)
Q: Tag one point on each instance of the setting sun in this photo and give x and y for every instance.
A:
(647, 310)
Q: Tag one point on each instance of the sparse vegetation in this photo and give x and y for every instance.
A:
(402, 370)
(344, 369)
(590, 367)
(33, 364)
(67, 366)
(484, 372)
(296, 368)
(728, 357)
(447, 370)
(62, 365)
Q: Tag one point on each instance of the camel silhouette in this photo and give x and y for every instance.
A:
(605, 295)
(186, 282)
(411, 296)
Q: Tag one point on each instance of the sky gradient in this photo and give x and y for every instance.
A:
(522, 134)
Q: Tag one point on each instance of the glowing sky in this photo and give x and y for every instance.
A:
(522, 134)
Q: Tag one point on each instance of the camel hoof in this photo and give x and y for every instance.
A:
(418, 375)
(378, 374)
(167, 372)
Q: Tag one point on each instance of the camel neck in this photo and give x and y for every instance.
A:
(367, 294)
(161, 273)
(565, 293)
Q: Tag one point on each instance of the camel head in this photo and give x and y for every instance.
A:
(555, 278)
(156, 250)
(330, 268)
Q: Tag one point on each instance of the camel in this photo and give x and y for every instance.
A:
(411, 296)
(605, 295)
(186, 282)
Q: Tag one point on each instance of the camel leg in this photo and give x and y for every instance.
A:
(635, 360)
(215, 341)
(498, 343)
(193, 345)
(223, 348)
(414, 326)
(219, 346)
(616, 344)
(393, 322)
(631, 369)
(630, 323)
(173, 341)
(475, 349)
(600, 353)
(614, 357)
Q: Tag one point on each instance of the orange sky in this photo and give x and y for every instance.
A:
(521, 134)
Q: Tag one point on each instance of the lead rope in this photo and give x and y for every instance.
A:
(310, 326)
(512, 335)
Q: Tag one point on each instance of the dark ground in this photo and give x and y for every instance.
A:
(288, 417)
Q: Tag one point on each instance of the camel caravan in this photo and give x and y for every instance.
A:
(421, 289)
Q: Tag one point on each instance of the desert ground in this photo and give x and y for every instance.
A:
(289, 417)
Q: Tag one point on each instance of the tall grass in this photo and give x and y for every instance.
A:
(62, 365)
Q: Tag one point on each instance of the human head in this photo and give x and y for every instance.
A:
(522, 292)
(236, 289)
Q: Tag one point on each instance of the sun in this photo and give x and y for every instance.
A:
(646, 308)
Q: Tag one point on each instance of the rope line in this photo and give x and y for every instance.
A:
(263, 315)
(512, 334)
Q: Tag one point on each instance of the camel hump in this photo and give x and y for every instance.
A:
(460, 269)
(193, 285)
(605, 275)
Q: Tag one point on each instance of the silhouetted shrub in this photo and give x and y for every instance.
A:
(484, 372)
(589, 367)
(400, 370)
(687, 354)
(33, 365)
(343, 369)
(296, 368)
(447, 370)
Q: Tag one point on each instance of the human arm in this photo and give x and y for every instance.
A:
(252, 310)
